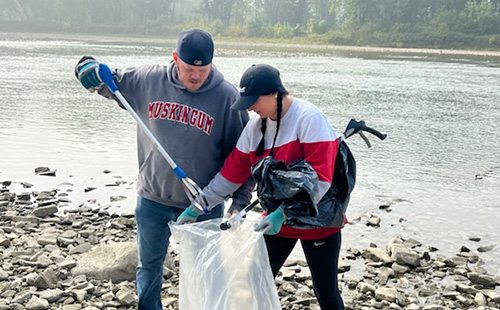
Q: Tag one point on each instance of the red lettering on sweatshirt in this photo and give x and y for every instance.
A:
(194, 117)
(184, 114)
(208, 124)
(181, 113)
(166, 110)
(154, 109)
(173, 111)
(201, 120)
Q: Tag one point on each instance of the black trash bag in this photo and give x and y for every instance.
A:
(276, 188)
(288, 185)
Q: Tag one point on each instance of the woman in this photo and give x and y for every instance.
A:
(287, 129)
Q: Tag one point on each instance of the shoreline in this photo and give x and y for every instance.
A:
(63, 258)
(255, 44)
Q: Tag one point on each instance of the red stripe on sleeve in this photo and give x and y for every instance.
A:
(237, 167)
(321, 156)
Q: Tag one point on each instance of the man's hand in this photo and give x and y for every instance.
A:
(87, 72)
(272, 223)
(190, 215)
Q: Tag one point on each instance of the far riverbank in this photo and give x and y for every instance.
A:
(251, 43)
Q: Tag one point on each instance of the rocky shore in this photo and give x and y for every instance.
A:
(52, 258)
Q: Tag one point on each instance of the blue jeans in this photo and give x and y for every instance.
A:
(153, 236)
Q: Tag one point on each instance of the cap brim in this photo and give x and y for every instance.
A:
(244, 102)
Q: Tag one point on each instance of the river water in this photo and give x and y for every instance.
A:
(439, 168)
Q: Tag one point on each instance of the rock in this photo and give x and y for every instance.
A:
(373, 221)
(405, 256)
(125, 298)
(113, 261)
(117, 198)
(51, 295)
(377, 255)
(82, 248)
(364, 288)
(4, 242)
(41, 169)
(386, 293)
(22, 298)
(36, 303)
(47, 279)
(483, 249)
(45, 211)
(45, 171)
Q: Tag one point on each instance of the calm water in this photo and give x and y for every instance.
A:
(438, 168)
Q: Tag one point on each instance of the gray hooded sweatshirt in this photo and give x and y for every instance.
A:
(197, 129)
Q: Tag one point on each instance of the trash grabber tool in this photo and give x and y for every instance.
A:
(238, 216)
(355, 126)
(193, 191)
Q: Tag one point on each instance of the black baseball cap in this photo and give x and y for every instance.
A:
(195, 47)
(257, 80)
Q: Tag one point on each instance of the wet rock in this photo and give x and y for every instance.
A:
(45, 171)
(373, 221)
(483, 249)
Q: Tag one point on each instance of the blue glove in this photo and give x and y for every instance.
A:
(87, 72)
(272, 223)
(190, 215)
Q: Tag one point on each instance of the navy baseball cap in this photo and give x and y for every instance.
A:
(257, 80)
(195, 47)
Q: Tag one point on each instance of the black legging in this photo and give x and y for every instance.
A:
(322, 257)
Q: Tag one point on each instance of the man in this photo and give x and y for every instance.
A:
(186, 105)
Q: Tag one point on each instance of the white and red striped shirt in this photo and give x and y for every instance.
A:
(304, 133)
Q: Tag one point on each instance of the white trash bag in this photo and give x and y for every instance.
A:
(224, 270)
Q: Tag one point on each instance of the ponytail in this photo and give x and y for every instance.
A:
(263, 127)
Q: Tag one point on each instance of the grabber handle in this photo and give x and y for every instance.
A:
(193, 192)
(107, 77)
(355, 126)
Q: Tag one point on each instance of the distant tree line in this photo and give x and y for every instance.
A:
(401, 23)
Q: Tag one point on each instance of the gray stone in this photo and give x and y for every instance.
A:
(125, 298)
(483, 249)
(51, 295)
(82, 248)
(4, 242)
(480, 299)
(405, 256)
(4, 275)
(46, 239)
(36, 303)
(22, 297)
(386, 293)
(72, 307)
(114, 261)
(47, 279)
(365, 288)
(67, 263)
(373, 221)
(377, 255)
(79, 295)
(45, 211)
